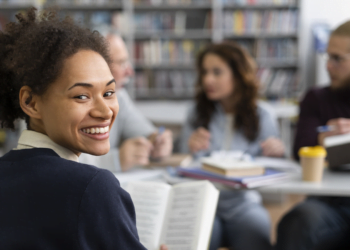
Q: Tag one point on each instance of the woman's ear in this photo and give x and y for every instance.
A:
(29, 102)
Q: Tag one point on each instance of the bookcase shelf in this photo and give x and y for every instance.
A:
(205, 6)
(93, 7)
(170, 34)
(15, 6)
(277, 63)
(168, 66)
(263, 35)
(261, 7)
(154, 95)
(164, 39)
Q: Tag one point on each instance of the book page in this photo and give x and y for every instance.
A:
(184, 218)
(150, 201)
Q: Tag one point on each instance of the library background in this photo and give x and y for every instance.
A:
(164, 36)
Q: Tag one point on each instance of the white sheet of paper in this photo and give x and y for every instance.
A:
(179, 230)
(150, 201)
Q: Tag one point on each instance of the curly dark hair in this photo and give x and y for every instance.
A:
(32, 53)
(245, 91)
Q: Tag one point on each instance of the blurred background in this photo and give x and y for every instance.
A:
(286, 37)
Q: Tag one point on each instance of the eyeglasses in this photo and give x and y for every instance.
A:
(336, 59)
(123, 64)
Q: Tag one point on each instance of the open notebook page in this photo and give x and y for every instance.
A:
(150, 201)
(183, 222)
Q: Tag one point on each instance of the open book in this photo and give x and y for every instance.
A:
(180, 216)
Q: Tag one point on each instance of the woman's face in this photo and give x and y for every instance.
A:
(79, 108)
(217, 78)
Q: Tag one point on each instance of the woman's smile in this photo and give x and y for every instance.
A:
(100, 132)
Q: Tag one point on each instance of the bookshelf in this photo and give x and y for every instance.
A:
(164, 37)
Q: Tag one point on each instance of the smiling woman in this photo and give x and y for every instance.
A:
(81, 98)
(56, 76)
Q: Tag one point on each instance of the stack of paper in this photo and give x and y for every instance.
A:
(269, 177)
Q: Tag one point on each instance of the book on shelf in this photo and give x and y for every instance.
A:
(174, 83)
(232, 167)
(258, 2)
(180, 216)
(177, 22)
(80, 2)
(242, 22)
(276, 49)
(270, 177)
(170, 2)
(171, 52)
(270, 49)
(276, 83)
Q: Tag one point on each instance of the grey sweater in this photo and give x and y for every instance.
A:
(217, 128)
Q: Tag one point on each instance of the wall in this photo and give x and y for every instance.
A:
(333, 12)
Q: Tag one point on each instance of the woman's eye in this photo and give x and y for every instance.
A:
(81, 97)
(109, 93)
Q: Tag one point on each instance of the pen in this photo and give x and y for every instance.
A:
(156, 139)
(326, 128)
(160, 131)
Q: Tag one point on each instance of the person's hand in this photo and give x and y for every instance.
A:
(163, 247)
(272, 147)
(162, 144)
(339, 126)
(199, 140)
(134, 151)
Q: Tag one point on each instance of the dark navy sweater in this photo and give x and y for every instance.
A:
(318, 107)
(47, 202)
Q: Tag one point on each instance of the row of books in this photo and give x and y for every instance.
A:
(157, 52)
(83, 2)
(277, 83)
(274, 83)
(17, 1)
(276, 49)
(176, 21)
(258, 2)
(157, 2)
(170, 2)
(271, 49)
(256, 21)
(165, 83)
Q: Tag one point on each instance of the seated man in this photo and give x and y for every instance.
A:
(322, 222)
(133, 138)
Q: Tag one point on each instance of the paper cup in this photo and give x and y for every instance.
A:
(312, 162)
(312, 168)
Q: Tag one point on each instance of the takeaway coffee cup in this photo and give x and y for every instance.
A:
(312, 163)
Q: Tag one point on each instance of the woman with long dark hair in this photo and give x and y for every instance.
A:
(228, 116)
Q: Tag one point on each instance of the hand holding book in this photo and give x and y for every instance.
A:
(335, 127)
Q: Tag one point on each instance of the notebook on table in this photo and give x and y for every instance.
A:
(338, 152)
